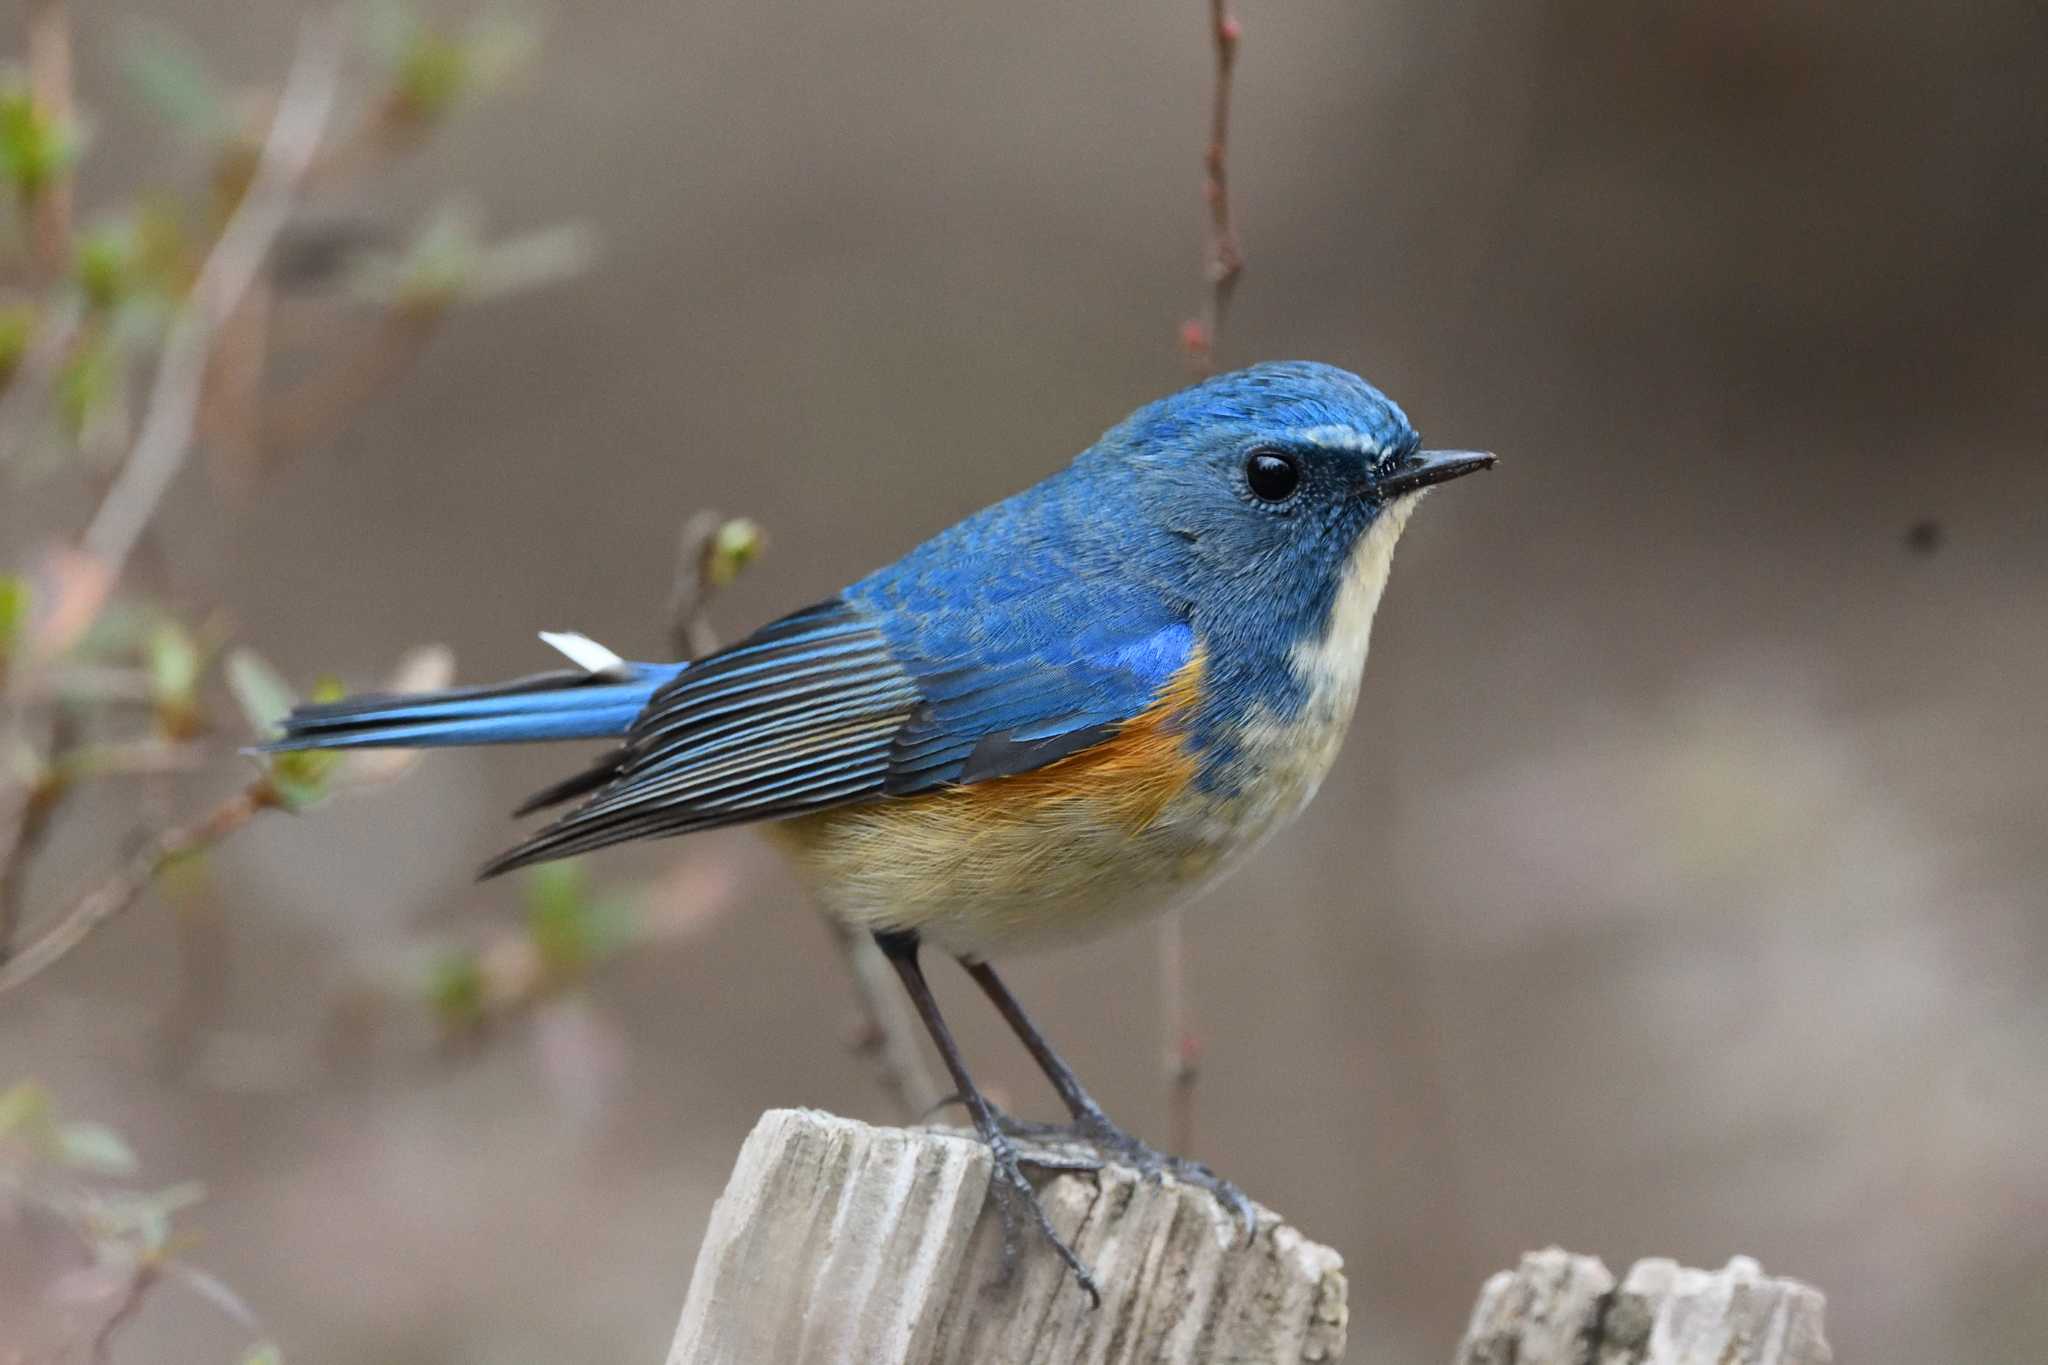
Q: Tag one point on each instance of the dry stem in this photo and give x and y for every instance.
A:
(1224, 255)
(168, 425)
(124, 887)
(49, 83)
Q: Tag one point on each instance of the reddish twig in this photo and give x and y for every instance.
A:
(318, 407)
(1183, 1048)
(1224, 256)
(1222, 265)
(49, 84)
(1223, 262)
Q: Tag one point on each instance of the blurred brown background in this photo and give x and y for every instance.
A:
(1681, 888)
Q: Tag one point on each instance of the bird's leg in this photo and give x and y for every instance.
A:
(1091, 1124)
(1007, 1185)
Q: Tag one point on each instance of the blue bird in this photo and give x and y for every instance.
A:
(1077, 706)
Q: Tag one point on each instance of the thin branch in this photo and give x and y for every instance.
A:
(317, 407)
(1223, 263)
(1224, 257)
(121, 889)
(167, 431)
(884, 1032)
(30, 826)
(1183, 1047)
(689, 624)
(49, 83)
(21, 404)
(139, 1285)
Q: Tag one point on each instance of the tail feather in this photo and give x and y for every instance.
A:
(548, 706)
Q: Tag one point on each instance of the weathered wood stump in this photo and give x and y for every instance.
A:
(837, 1242)
(1561, 1309)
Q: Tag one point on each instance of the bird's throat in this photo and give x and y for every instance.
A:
(1330, 663)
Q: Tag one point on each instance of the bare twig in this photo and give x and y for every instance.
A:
(1223, 263)
(884, 1032)
(138, 1288)
(30, 826)
(1224, 256)
(21, 403)
(689, 604)
(317, 407)
(165, 440)
(1183, 1048)
(49, 83)
(121, 889)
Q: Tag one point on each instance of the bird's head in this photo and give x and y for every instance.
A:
(1275, 494)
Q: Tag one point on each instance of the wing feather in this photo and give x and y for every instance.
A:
(839, 703)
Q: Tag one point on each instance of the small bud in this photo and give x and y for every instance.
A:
(1229, 31)
(455, 991)
(735, 545)
(1194, 337)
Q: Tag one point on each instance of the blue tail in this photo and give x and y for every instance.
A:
(567, 704)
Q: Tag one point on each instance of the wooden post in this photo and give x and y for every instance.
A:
(837, 1242)
(1560, 1309)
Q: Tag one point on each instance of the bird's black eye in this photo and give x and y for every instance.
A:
(1271, 475)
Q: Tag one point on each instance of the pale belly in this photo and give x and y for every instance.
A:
(978, 878)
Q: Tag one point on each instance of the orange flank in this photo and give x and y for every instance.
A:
(995, 858)
(1127, 779)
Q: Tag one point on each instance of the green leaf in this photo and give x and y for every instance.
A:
(17, 608)
(433, 73)
(557, 916)
(27, 1112)
(169, 73)
(103, 264)
(94, 1147)
(17, 325)
(263, 1353)
(571, 929)
(86, 382)
(532, 261)
(34, 148)
(262, 693)
(174, 664)
(455, 989)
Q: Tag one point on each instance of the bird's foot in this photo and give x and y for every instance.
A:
(1096, 1132)
(1014, 1196)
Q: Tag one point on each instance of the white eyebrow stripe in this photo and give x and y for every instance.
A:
(1338, 437)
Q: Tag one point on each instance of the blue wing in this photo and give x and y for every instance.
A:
(860, 697)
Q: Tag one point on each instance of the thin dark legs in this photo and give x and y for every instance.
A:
(1072, 1093)
(1007, 1184)
(1090, 1123)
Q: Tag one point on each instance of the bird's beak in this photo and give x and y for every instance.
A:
(1427, 468)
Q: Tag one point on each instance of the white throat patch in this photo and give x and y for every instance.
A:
(1330, 667)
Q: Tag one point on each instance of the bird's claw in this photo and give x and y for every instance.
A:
(1111, 1142)
(1008, 1187)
